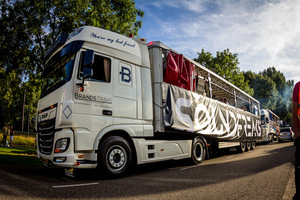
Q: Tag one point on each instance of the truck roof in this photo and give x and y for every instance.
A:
(107, 42)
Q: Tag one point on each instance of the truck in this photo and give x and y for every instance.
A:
(112, 102)
(270, 126)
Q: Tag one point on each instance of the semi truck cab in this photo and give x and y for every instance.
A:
(96, 82)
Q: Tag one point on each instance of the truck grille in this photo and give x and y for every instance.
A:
(46, 130)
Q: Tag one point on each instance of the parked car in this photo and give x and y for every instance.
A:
(286, 133)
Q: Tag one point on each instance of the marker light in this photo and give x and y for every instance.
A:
(77, 163)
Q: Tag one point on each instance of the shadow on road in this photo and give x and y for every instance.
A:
(38, 182)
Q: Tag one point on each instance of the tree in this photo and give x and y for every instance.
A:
(29, 27)
(277, 77)
(225, 64)
(264, 89)
(273, 91)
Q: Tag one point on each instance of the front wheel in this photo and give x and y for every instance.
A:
(115, 156)
(198, 151)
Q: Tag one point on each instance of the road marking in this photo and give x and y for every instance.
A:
(189, 167)
(74, 185)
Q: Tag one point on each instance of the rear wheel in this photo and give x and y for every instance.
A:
(248, 146)
(198, 151)
(253, 145)
(242, 147)
(115, 156)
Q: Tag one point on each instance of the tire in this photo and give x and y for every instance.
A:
(242, 147)
(253, 145)
(114, 156)
(198, 151)
(248, 146)
(272, 138)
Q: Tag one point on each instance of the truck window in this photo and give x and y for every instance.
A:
(60, 73)
(101, 68)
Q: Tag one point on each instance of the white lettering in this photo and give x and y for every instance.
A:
(181, 102)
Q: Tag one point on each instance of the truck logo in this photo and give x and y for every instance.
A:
(44, 115)
(126, 74)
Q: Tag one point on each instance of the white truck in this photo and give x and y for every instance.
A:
(270, 126)
(111, 101)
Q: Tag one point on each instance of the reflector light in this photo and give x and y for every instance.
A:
(57, 151)
(81, 156)
(77, 163)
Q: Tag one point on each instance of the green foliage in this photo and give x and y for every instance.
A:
(273, 91)
(29, 27)
(225, 64)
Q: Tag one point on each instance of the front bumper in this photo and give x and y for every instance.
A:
(68, 158)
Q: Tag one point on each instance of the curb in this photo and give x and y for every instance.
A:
(290, 189)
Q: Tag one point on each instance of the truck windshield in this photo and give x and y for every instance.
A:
(60, 74)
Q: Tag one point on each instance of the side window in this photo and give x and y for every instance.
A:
(101, 68)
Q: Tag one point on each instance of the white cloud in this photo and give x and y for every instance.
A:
(262, 33)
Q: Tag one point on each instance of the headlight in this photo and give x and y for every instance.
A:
(61, 145)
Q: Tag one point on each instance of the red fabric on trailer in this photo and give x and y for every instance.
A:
(172, 70)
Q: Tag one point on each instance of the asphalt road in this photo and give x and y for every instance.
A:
(262, 173)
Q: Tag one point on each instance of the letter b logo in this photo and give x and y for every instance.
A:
(126, 74)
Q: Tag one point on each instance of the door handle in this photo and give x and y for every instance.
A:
(107, 112)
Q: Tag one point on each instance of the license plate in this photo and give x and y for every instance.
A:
(45, 162)
(70, 172)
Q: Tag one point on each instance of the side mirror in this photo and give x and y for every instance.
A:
(89, 58)
(87, 73)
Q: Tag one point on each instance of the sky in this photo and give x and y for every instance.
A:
(264, 33)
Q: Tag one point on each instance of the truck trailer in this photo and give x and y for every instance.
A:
(111, 101)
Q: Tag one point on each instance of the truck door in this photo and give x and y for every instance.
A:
(125, 92)
(97, 97)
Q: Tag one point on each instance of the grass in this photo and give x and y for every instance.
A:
(23, 151)
(18, 156)
(21, 140)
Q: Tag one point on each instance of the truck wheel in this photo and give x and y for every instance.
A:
(253, 145)
(242, 147)
(198, 151)
(272, 138)
(114, 156)
(248, 146)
